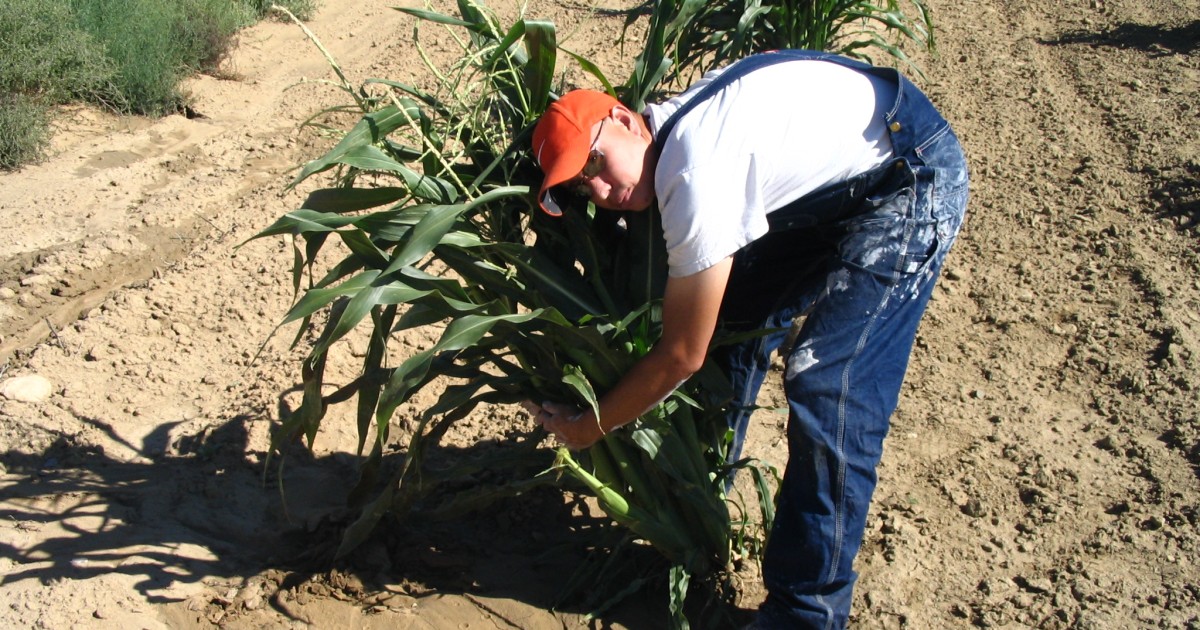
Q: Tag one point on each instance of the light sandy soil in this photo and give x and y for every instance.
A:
(1042, 467)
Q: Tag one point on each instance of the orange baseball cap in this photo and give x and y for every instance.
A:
(562, 139)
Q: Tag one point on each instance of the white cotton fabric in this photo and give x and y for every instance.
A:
(767, 139)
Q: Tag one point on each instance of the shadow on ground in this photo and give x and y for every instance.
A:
(198, 510)
(164, 519)
(1155, 40)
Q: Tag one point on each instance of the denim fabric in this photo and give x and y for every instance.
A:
(858, 260)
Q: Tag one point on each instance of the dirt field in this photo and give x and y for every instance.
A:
(1042, 467)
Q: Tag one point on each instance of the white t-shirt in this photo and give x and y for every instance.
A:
(767, 139)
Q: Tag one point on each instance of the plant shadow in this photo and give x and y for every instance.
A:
(547, 548)
(193, 507)
(203, 504)
(151, 518)
(1156, 40)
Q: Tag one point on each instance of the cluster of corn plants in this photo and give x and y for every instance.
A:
(687, 37)
(433, 210)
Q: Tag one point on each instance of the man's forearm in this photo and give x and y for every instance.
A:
(647, 383)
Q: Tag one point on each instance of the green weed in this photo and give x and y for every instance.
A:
(43, 52)
(44, 60)
(302, 9)
(23, 130)
(127, 56)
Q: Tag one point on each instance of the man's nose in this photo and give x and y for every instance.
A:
(600, 188)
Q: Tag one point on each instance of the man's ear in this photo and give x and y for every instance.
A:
(627, 119)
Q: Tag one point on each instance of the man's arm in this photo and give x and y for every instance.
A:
(690, 308)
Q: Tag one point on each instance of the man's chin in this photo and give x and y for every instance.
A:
(639, 205)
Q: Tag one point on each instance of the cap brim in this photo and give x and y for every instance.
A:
(550, 205)
(568, 163)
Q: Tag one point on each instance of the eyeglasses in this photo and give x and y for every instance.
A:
(591, 168)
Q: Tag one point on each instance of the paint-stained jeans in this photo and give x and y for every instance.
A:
(859, 263)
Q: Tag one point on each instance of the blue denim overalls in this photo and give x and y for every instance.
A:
(858, 260)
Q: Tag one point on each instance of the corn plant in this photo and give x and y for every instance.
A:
(687, 37)
(432, 222)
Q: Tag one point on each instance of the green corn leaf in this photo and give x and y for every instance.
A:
(314, 299)
(460, 334)
(365, 297)
(304, 222)
(766, 499)
(361, 528)
(418, 315)
(370, 130)
(454, 308)
(312, 407)
(683, 420)
(454, 400)
(360, 244)
(401, 383)
(472, 11)
(566, 293)
(679, 579)
(541, 42)
(466, 330)
(426, 235)
(429, 231)
(345, 268)
(437, 18)
(372, 158)
(360, 304)
(401, 152)
(574, 378)
(664, 447)
(368, 476)
(591, 68)
(297, 267)
(341, 200)
(449, 288)
(456, 396)
(395, 225)
(602, 363)
(373, 373)
(504, 48)
(486, 277)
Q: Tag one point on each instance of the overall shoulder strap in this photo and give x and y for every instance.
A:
(738, 70)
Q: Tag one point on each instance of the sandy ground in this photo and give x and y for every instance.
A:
(1042, 467)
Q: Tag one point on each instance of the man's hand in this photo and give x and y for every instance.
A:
(574, 428)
